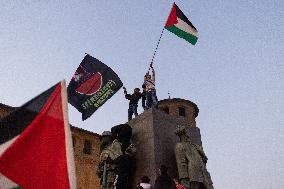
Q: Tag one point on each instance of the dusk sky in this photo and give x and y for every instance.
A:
(235, 72)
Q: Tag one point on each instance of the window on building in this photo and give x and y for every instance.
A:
(181, 111)
(87, 147)
(166, 110)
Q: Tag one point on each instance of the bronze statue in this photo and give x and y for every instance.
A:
(111, 152)
(106, 140)
(191, 163)
(106, 168)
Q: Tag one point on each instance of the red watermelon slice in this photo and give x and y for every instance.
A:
(91, 85)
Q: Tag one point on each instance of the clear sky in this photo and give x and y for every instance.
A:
(235, 73)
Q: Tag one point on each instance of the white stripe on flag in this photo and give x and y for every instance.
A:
(6, 183)
(185, 27)
(6, 145)
(68, 138)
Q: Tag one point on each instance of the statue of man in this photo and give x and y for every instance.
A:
(106, 168)
(191, 163)
(110, 153)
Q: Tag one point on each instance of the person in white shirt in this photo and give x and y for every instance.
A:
(149, 82)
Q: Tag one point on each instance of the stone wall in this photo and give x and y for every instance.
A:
(153, 135)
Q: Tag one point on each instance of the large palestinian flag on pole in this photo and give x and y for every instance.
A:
(36, 145)
(92, 85)
(179, 24)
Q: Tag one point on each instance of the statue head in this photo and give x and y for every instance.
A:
(106, 139)
(123, 134)
(106, 133)
(180, 130)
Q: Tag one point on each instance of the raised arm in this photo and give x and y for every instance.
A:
(124, 90)
(127, 96)
(153, 73)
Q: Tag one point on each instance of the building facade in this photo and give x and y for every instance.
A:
(86, 151)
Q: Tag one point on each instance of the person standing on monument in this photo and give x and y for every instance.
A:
(149, 82)
(144, 96)
(145, 183)
(164, 181)
(133, 102)
(191, 163)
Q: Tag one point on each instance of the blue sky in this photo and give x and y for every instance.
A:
(235, 73)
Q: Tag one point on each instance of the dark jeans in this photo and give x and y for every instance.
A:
(151, 99)
(132, 110)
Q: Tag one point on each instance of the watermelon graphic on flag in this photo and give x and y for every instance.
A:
(85, 79)
(92, 85)
(179, 24)
(36, 146)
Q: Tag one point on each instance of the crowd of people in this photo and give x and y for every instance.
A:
(148, 95)
(163, 181)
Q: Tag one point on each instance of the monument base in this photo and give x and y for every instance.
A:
(153, 136)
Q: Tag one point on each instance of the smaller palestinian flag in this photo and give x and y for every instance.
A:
(179, 24)
(36, 145)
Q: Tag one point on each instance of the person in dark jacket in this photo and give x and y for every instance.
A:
(125, 170)
(133, 102)
(164, 181)
(144, 96)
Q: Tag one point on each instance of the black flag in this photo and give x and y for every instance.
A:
(92, 85)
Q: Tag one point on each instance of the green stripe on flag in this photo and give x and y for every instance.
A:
(182, 34)
(17, 187)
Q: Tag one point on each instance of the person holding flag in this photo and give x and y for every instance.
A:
(133, 102)
(149, 82)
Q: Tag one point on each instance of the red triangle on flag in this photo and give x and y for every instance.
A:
(38, 159)
(172, 19)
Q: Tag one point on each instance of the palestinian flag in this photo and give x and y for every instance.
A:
(179, 24)
(35, 144)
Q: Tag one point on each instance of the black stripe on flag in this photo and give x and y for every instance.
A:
(17, 121)
(183, 17)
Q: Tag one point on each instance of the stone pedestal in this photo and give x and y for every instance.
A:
(154, 138)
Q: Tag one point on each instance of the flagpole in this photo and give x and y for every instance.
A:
(153, 57)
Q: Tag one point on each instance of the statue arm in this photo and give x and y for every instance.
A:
(182, 162)
(99, 170)
(201, 152)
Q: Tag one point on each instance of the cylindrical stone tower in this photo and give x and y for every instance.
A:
(181, 109)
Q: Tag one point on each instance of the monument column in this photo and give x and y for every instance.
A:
(154, 138)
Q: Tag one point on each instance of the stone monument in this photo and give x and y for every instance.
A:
(154, 138)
